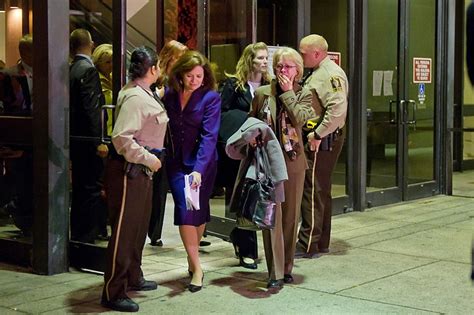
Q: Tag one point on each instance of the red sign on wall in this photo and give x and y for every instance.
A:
(421, 70)
(335, 56)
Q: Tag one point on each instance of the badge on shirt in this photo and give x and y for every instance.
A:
(336, 84)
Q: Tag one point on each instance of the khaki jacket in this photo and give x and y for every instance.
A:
(298, 104)
(330, 84)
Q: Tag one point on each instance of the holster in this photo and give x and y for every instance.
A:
(328, 141)
(132, 170)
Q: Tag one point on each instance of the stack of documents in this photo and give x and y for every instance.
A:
(191, 195)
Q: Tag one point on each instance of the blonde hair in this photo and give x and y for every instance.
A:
(315, 42)
(101, 53)
(291, 54)
(245, 65)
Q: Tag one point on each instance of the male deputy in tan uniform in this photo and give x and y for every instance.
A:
(329, 82)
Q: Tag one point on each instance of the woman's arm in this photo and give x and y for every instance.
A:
(227, 95)
(298, 106)
(209, 131)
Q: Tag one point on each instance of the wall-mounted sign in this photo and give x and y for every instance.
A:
(335, 56)
(421, 93)
(421, 70)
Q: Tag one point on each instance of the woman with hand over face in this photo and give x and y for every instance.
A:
(138, 138)
(194, 107)
(285, 107)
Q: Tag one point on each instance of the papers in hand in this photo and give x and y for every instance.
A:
(191, 195)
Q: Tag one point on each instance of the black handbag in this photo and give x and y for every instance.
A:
(256, 204)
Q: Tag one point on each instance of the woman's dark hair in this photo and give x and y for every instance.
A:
(186, 63)
(142, 59)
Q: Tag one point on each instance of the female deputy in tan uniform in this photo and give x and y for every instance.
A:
(138, 137)
(285, 107)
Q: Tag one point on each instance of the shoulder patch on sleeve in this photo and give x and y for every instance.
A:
(336, 84)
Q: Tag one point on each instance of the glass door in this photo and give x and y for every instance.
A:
(230, 29)
(419, 102)
(401, 100)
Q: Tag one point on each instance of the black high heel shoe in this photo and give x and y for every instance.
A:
(195, 288)
(252, 265)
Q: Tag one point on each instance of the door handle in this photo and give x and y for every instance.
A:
(392, 115)
(412, 120)
(407, 118)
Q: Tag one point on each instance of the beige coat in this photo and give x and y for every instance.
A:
(298, 104)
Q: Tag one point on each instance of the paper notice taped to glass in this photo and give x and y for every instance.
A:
(191, 195)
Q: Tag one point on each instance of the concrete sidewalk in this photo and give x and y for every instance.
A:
(405, 258)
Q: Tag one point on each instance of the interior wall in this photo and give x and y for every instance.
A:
(329, 19)
(144, 19)
(468, 103)
(468, 86)
(2, 36)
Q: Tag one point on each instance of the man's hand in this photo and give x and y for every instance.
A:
(196, 179)
(102, 150)
(313, 142)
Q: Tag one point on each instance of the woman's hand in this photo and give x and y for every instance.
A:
(156, 166)
(286, 83)
(196, 179)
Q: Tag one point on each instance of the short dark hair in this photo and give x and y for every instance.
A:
(79, 38)
(142, 59)
(187, 62)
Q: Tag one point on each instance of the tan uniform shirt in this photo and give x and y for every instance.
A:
(141, 121)
(330, 83)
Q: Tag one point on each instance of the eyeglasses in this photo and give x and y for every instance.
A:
(286, 67)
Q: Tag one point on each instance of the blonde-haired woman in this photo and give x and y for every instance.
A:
(285, 107)
(102, 59)
(237, 93)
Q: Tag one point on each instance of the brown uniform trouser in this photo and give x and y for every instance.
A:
(280, 243)
(316, 207)
(129, 202)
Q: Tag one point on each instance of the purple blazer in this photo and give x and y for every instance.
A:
(194, 130)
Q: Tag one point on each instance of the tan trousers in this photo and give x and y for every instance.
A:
(280, 243)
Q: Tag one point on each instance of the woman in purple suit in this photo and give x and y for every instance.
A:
(193, 107)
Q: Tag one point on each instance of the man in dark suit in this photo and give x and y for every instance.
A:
(16, 99)
(16, 83)
(86, 151)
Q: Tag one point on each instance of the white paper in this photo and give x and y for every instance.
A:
(191, 195)
(387, 83)
(377, 83)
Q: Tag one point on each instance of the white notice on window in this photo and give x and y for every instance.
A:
(377, 83)
(387, 83)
